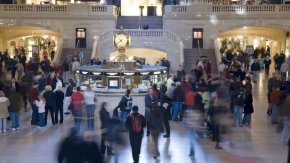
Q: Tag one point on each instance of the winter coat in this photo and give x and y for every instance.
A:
(178, 95)
(248, 108)
(15, 105)
(4, 103)
(49, 98)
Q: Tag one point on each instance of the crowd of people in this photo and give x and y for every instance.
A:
(203, 103)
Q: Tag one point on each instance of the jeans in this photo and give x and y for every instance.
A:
(51, 111)
(78, 118)
(155, 135)
(247, 119)
(285, 131)
(255, 75)
(67, 101)
(35, 117)
(14, 119)
(59, 111)
(123, 117)
(238, 114)
(274, 116)
(192, 141)
(19, 74)
(176, 109)
(3, 124)
(65, 76)
(41, 119)
(91, 116)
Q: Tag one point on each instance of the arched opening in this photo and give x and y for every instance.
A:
(150, 56)
(248, 39)
(35, 41)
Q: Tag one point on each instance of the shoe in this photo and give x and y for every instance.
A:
(67, 113)
(13, 129)
(166, 136)
(18, 128)
(4, 131)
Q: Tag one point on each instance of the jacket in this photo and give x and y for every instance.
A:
(123, 103)
(255, 67)
(105, 118)
(178, 95)
(249, 109)
(49, 98)
(59, 96)
(4, 103)
(15, 105)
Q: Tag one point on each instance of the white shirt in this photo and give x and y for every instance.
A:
(200, 64)
(222, 67)
(40, 105)
(58, 85)
(90, 97)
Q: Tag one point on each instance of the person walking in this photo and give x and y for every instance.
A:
(178, 99)
(14, 108)
(20, 69)
(156, 124)
(248, 108)
(90, 100)
(274, 102)
(125, 106)
(238, 102)
(105, 118)
(67, 99)
(151, 103)
(49, 97)
(267, 63)
(59, 97)
(135, 123)
(75, 65)
(78, 104)
(4, 104)
(255, 68)
(65, 66)
(283, 71)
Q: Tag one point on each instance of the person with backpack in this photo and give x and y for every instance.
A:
(125, 106)
(238, 102)
(135, 123)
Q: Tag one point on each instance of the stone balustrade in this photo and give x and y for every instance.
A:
(60, 10)
(225, 9)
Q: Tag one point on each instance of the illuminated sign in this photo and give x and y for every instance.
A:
(144, 73)
(112, 73)
(157, 72)
(97, 73)
(129, 73)
(85, 72)
(78, 71)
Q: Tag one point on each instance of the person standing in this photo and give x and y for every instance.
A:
(105, 125)
(238, 101)
(78, 104)
(267, 63)
(59, 97)
(65, 66)
(135, 123)
(4, 103)
(90, 100)
(33, 95)
(178, 99)
(67, 99)
(52, 54)
(181, 73)
(274, 101)
(75, 66)
(49, 103)
(248, 108)
(255, 68)
(151, 103)
(14, 108)
(20, 69)
(40, 104)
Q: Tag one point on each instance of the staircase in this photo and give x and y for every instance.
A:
(132, 22)
(192, 55)
(69, 53)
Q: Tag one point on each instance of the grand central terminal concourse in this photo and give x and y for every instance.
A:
(144, 81)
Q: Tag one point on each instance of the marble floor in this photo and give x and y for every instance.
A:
(258, 143)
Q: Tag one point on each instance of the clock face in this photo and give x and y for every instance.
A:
(121, 40)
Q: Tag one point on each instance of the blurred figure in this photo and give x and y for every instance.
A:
(90, 100)
(14, 108)
(33, 95)
(67, 99)
(135, 123)
(283, 71)
(105, 125)
(192, 119)
(274, 101)
(285, 115)
(267, 63)
(151, 103)
(71, 149)
(239, 100)
(177, 99)
(4, 103)
(156, 124)
(65, 71)
(91, 149)
(78, 104)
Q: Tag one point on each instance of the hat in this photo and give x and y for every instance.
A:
(135, 109)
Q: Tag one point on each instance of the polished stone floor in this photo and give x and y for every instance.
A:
(258, 143)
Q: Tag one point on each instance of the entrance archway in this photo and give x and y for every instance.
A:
(32, 39)
(260, 37)
(150, 55)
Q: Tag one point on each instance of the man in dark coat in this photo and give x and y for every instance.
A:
(178, 99)
(135, 137)
(151, 102)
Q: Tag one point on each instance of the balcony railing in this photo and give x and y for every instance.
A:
(224, 9)
(60, 10)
